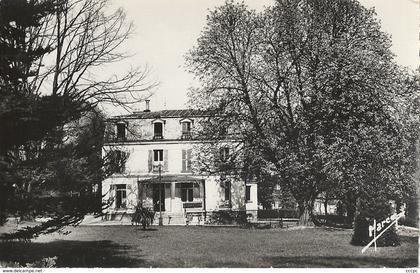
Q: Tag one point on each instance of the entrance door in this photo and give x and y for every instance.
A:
(156, 197)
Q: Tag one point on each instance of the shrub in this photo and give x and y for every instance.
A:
(143, 216)
(409, 221)
(378, 209)
(334, 220)
(277, 213)
(47, 262)
(361, 231)
(227, 217)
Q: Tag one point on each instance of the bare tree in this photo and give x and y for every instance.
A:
(87, 37)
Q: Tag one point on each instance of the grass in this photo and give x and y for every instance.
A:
(129, 246)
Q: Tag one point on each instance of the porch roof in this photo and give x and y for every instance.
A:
(171, 178)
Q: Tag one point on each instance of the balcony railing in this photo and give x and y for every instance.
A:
(157, 165)
(120, 139)
(186, 135)
(158, 136)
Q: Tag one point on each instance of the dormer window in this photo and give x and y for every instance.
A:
(186, 128)
(121, 128)
(158, 129)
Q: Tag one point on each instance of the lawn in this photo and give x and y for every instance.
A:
(194, 246)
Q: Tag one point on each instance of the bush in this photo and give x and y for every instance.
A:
(278, 213)
(47, 262)
(376, 206)
(3, 219)
(334, 220)
(361, 234)
(408, 221)
(227, 217)
(143, 216)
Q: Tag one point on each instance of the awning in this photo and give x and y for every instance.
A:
(170, 179)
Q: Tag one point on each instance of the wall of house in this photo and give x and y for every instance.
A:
(143, 129)
(140, 143)
(138, 156)
(131, 190)
(252, 205)
(213, 190)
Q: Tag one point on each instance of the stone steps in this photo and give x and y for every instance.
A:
(170, 219)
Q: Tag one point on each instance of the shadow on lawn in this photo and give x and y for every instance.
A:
(348, 261)
(147, 229)
(103, 253)
(323, 261)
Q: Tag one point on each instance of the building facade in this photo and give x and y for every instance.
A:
(159, 150)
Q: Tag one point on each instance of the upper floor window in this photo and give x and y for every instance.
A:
(157, 156)
(158, 161)
(186, 129)
(158, 130)
(186, 160)
(121, 128)
(118, 161)
(224, 154)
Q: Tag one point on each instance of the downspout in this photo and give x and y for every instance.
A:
(204, 198)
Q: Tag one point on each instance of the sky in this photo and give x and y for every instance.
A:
(165, 30)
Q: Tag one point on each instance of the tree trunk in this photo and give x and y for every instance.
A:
(326, 206)
(305, 210)
(351, 213)
(350, 203)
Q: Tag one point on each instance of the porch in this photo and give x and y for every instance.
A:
(178, 200)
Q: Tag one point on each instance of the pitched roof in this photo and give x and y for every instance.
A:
(181, 113)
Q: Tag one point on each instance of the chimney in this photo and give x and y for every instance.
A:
(147, 106)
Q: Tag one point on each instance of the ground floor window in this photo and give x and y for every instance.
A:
(121, 196)
(227, 190)
(189, 191)
(159, 197)
(187, 194)
(248, 193)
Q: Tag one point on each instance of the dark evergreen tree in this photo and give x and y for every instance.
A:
(51, 133)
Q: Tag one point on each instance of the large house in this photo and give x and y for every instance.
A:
(160, 149)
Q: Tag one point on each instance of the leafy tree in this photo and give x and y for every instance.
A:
(314, 91)
(50, 87)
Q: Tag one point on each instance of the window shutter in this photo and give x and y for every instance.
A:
(150, 161)
(165, 161)
(202, 189)
(112, 194)
(112, 187)
(183, 194)
(188, 163)
(184, 161)
(196, 191)
(190, 195)
(123, 161)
